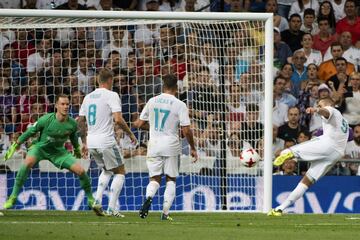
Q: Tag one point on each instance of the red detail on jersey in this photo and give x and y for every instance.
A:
(250, 163)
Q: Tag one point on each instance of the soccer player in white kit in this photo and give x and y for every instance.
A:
(100, 110)
(164, 114)
(322, 152)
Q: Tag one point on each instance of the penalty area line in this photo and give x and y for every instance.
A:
(83, 223)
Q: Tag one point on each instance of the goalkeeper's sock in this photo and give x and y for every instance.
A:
(297, 193)
(21, 177)
(151, 189)
(86, 185)
(115, 189)
(169, 196)
(103, 182)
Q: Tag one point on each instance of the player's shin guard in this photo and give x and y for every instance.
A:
(115, 189)
(86, 185)
(297, 193)
(21, 177)
(103, 182)
(151, 189)
(169, 196)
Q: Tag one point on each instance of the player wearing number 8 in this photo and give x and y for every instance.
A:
(322, 152)
(100, 109)
(164, 114)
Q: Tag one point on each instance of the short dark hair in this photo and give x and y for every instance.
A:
(335, 44)
(104, 75)
(309, 11)
(277, 78)
(322, 18)
(341, 59)
(170, 81)
(328, 100)
(295, 15)
(61, 95)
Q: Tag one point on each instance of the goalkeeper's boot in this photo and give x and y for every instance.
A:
(275, 213)
(144, 210)
(113, 213)
(166, 217)
(282, 158)
(10, 202)
(96, 207)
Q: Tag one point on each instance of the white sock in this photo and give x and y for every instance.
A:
(115, 189)
(152, 188)
(169, 196)
(297, 193)
(103, 181)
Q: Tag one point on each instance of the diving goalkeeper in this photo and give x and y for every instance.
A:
(55, 129)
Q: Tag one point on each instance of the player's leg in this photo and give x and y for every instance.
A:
(104, 177)
(22, 174)
(315, 172)
(155, 166)
(171, 170)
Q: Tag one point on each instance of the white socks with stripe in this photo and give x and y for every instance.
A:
(115, 189)
(297, 193)
(151, 189)
(103, 182)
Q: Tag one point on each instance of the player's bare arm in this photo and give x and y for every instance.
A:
(141, 124)
(119, 120)
(82, 128)
(190, 138)
(319, 110)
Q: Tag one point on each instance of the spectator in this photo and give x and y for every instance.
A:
(351, 53)
(76, 100)
(167, 5)
(340, 79)
(279, 113)
(113, 60)
(17, 71)
(8, 111)
(293, 35)
(308, 98)
(299, 72)
(71, 5)
(279, 21)
(309, 25)
(251, 129)
(328, 68)
(234, 144)
(4, 138)
(166, 42)
(255, 5)
(286, 72)
(235, 103)
(312, 55)
(292, 128)
(281, 50)
(208, 59)
(353, 151)
(49, 4)
(288, 168)
(146, 34)
(284, 7)
(22, 47)
(312, 78)
(280, 94)
(84, 74)
(299, 6)
(40, 60)
(326, 11)
(119, 43)
(152, 5)
(324, 39)
(30, 4)
(338, 6)
(278, 143)
(350, 23)
(352, 100)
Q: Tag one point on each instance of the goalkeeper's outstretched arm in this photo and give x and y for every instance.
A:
(31, 131)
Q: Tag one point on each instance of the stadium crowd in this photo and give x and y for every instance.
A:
(316, 55)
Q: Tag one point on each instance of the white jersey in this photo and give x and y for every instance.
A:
(336, 130)
(98, 107)
(165, 112)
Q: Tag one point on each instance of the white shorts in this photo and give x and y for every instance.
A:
(320, 153)
(107, 158)
(163, 165)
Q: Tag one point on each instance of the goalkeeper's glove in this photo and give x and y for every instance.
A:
(77, 152)
(10, 152)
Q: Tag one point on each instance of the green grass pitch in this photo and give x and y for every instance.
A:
(65, 225)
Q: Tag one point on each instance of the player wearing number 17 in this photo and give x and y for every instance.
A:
(55, 129)
(164, 114)
(322, 152)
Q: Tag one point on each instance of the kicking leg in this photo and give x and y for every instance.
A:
(115, 189)
(297, 193)
(151, 190)
(21, 177)
(169, 196)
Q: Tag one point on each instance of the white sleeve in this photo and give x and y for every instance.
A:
(145, 113)
(115, 102)
(184, 115)
(331, 111)
(31, 63)
(83, 108)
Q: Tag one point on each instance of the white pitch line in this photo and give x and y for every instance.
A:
(84, 223)
(353, 218)
(326, 224)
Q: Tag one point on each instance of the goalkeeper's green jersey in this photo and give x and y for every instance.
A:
(53, 133)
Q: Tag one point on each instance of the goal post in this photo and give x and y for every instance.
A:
(218, 181)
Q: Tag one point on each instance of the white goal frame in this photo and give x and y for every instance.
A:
(186, 16)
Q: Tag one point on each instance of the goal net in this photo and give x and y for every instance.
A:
(220, 66)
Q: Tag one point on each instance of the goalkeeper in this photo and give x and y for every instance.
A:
(55, 129)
